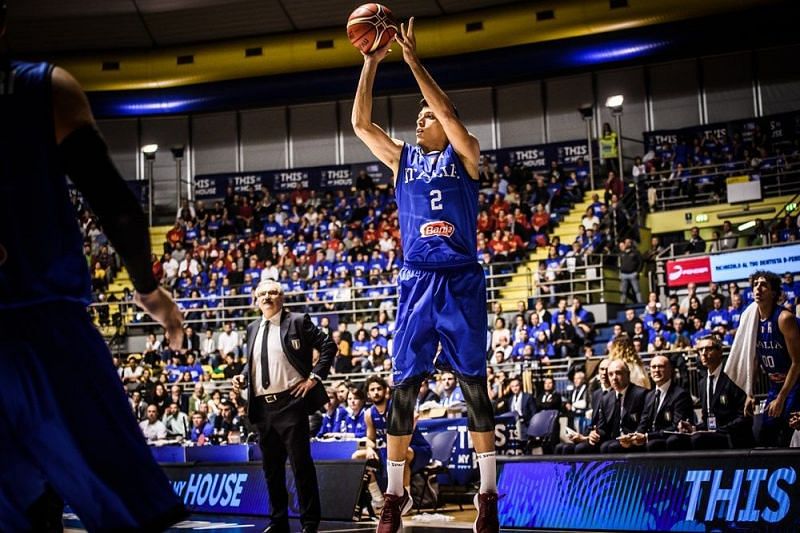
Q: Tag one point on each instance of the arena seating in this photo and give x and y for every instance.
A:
(349, 253)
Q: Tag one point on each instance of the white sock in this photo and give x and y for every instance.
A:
(394, 474)
(488, 468)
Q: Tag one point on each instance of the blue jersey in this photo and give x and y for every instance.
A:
(438, 208)
(380, 425)
(328, 424)
(771, 350)
(41, 248)
(352, 423)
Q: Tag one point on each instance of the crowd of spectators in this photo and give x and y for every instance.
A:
(697, 166)
(337, 255)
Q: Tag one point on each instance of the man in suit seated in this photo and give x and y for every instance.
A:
(665, 406)
(618, 414)
(597, 397)
(549, 399)
(577, 402)
(724, 424)
(518, 401)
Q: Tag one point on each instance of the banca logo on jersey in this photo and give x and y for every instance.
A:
(438, 228)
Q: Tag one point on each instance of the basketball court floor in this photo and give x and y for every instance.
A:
(254, 524)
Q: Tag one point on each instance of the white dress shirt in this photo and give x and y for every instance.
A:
(516, 404)
(228, 342)
(282, 375)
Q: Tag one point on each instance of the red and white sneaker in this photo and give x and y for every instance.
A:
(394, 507)
(487, 520)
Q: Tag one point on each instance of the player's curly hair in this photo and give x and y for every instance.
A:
(772, 279)
(375, 378)
(622, 348)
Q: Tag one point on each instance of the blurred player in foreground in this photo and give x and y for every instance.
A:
(68, 431)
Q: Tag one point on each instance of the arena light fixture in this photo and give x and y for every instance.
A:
(747, 225)
(149, 151)
(614, 103)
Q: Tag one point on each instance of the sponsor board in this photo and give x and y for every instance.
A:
(733, 266)
(536, 158)
(692, 270)
(726, 491)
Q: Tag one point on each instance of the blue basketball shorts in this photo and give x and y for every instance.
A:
(68, 423)
(446, 306)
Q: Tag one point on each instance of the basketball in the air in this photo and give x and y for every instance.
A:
(371, 26)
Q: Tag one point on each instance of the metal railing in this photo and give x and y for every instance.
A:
(665, 190)
(238, 309)
(589, 281)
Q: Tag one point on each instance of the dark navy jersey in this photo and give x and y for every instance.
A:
(438, 207)
(380, 425)
(773, 355)
(41, 253)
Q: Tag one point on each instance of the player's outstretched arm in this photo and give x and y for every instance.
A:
(464, 143)
(84, 158)
(791, 333)
(386, 149)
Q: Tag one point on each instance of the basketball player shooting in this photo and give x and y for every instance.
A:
(442, 287)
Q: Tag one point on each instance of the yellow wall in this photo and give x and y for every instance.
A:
(674, 220)
(295, 52)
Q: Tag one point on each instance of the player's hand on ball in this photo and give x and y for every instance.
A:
(407, 41)
(378, 55)
(159, 305)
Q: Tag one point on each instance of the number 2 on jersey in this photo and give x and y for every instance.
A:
(436, 200)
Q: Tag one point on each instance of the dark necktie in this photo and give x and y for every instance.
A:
(265, 356)
(655, 409)
(618, 414)
(710, 393)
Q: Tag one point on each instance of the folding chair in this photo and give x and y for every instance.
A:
(542, 430)
(442, 443)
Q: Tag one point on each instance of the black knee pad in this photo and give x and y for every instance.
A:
(480, 413)
(401, 416)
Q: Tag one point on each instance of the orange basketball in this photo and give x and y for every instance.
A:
(371, 26)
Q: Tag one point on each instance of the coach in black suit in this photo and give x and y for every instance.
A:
(282, 390)
(723, 408)
(598, 394)
(619, 414)
(665, 406)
